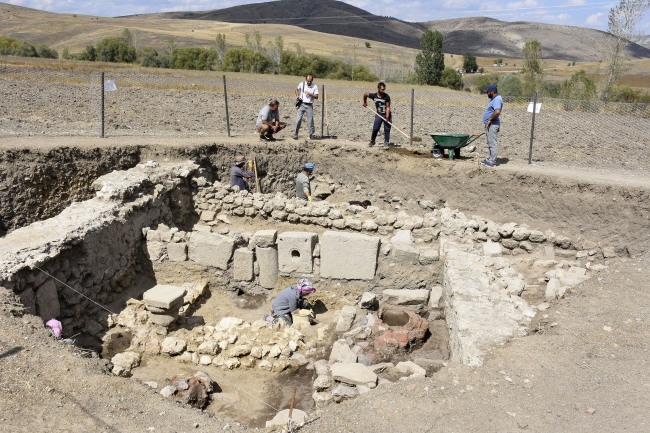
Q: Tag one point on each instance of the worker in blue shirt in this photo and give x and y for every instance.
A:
(492, 124)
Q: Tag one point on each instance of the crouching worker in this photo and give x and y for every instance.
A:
(289, 300)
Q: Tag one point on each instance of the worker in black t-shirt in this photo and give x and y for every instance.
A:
(382, 103)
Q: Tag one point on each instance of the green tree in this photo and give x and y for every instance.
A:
(430, 62)
(451, 78)
(469, 63)
(625, 93)
(533, 71)
(148, 57)
(46, 52)
(621, 25)
(65, 54)
(116, 50)
(509, 85)
(367, 44)
(579, 87)
(220, 47)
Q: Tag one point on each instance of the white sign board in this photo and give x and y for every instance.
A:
(537, 107)
(109, 85)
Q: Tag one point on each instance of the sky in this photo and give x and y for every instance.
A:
(584, 13)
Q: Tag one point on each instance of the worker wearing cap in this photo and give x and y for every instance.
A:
(289, 300)
(492, 124)
(303, 187)
(237, 174)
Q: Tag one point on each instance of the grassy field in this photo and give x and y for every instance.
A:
(77, 31)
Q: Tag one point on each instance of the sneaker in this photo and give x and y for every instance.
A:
(269, 137)
(295, 137)
(263, 138)
(312, 137)
(486, 163)
(372, 143)
(386, 145)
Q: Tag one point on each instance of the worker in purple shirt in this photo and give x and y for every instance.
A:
(237, 174)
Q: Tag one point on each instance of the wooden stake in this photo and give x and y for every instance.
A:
(257, 180)
(293, 397)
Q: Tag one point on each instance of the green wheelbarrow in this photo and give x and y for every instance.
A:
(451, 142)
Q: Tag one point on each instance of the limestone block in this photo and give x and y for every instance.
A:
(265, 238)
(552, 289)
(47, 301)
(351, 256)
(346, 317)
(434, 297)
(609, 252)
(155, 250)
(403, 247)
(124, 362)
(295, 251)
(163, 296)
(428, 256)
(177, 252)
(536, 236)
(406, 296)
(410, 368)
(207, 215)
(210, 249)
(507, 230)
(267, 258)
(173, 345)
(243, 265)
(352, 373)
(341, 352)
(510, 244)
(280, 419)
(368, 301)
(491, 249)
(521, 234)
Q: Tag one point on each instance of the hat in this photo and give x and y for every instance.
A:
(309, 166)
(491, 88)
(239, 159)
(305, 286)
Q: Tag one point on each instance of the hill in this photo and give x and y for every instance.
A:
(480, 36)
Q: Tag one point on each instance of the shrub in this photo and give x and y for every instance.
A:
(193, 58)
(483, 81)
(509, 85)
(451, 78)
(46, 52)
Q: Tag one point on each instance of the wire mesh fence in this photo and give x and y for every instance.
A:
(170, 103)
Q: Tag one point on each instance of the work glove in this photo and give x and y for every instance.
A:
(365, 104)
(309, 198)
(250, 162)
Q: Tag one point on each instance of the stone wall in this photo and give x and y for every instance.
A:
(92, 246)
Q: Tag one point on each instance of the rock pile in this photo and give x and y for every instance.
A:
(194, 391)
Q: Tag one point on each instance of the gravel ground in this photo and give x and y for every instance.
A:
(563, 138)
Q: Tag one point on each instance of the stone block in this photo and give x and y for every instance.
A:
(352, 373)
(267, 258)
(243, 265)
(341, 352)
(162, 296)
(208, 215)
(177, 252)
(491, 249)
(368, 301)
(434, 297)
(280, 420)
(406, 296)
(346, 317)
(403, 247)
(351, 256)
(210, 249)
(428, 256)
(47, 301)
(265, 238)
(28, 299)
(295, 251)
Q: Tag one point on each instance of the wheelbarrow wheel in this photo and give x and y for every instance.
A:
(436, 153)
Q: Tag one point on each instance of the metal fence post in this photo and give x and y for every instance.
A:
(225, 97)
(412, 108)
(532, 131)
(101, 107)
(322, 113)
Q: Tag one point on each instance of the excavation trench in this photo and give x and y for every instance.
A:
(409, 284)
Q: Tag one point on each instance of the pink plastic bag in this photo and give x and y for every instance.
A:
(56, 327)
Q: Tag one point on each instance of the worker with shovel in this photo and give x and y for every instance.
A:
(383, 114)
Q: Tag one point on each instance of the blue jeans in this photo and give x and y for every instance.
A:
(377, 125)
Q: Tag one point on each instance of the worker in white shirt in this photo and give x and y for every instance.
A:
(306, 93)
